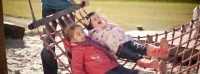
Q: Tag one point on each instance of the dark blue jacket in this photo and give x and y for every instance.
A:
(55, 4)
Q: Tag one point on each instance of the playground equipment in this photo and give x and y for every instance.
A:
(184, 54)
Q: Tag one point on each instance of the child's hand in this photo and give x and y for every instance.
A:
(86, 21)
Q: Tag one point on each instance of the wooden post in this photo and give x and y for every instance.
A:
(3, 63)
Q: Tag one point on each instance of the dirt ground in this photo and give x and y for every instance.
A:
(23, 56)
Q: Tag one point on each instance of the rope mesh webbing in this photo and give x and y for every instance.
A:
(184, 45)
(184, 48)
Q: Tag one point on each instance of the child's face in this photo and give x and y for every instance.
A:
(97, 22)
(79, 35)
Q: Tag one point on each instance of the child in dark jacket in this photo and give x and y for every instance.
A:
(89, 57)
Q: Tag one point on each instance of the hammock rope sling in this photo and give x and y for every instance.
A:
(184, 54)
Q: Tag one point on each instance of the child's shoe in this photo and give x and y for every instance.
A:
(161, 51)
(164, 48)
(162, 68)
(146, 63)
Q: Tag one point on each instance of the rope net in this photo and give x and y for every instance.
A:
(184, 54)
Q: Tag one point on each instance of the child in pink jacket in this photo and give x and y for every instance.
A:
(89, 57)
(111, 35)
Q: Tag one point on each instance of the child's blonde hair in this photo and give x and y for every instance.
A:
(69, 31)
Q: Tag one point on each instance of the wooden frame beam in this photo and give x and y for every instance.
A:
(3, 62)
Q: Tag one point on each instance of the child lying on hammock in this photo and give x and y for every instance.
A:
(89, 57)
(114, 37)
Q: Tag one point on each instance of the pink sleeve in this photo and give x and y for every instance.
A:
(77, 62)
(98, 35)
(113, 25)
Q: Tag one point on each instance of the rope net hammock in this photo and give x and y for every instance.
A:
(184, 54)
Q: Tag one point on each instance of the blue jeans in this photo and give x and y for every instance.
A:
(122, 70)
(49, 63)
(132, 50)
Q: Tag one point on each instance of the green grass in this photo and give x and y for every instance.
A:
(20, 8)
(128, 14)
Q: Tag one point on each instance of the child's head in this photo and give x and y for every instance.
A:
(75, 34)
(94, 21)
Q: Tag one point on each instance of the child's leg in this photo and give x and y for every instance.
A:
(126, 52)
(161, 51)
(132, 50)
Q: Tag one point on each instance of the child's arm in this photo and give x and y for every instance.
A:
(77, 62)
(98, 35)
(105, 20)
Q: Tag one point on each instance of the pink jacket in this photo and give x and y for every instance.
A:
(112, 36)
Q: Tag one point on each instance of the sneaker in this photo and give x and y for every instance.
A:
(164, 48)
(162, 68)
